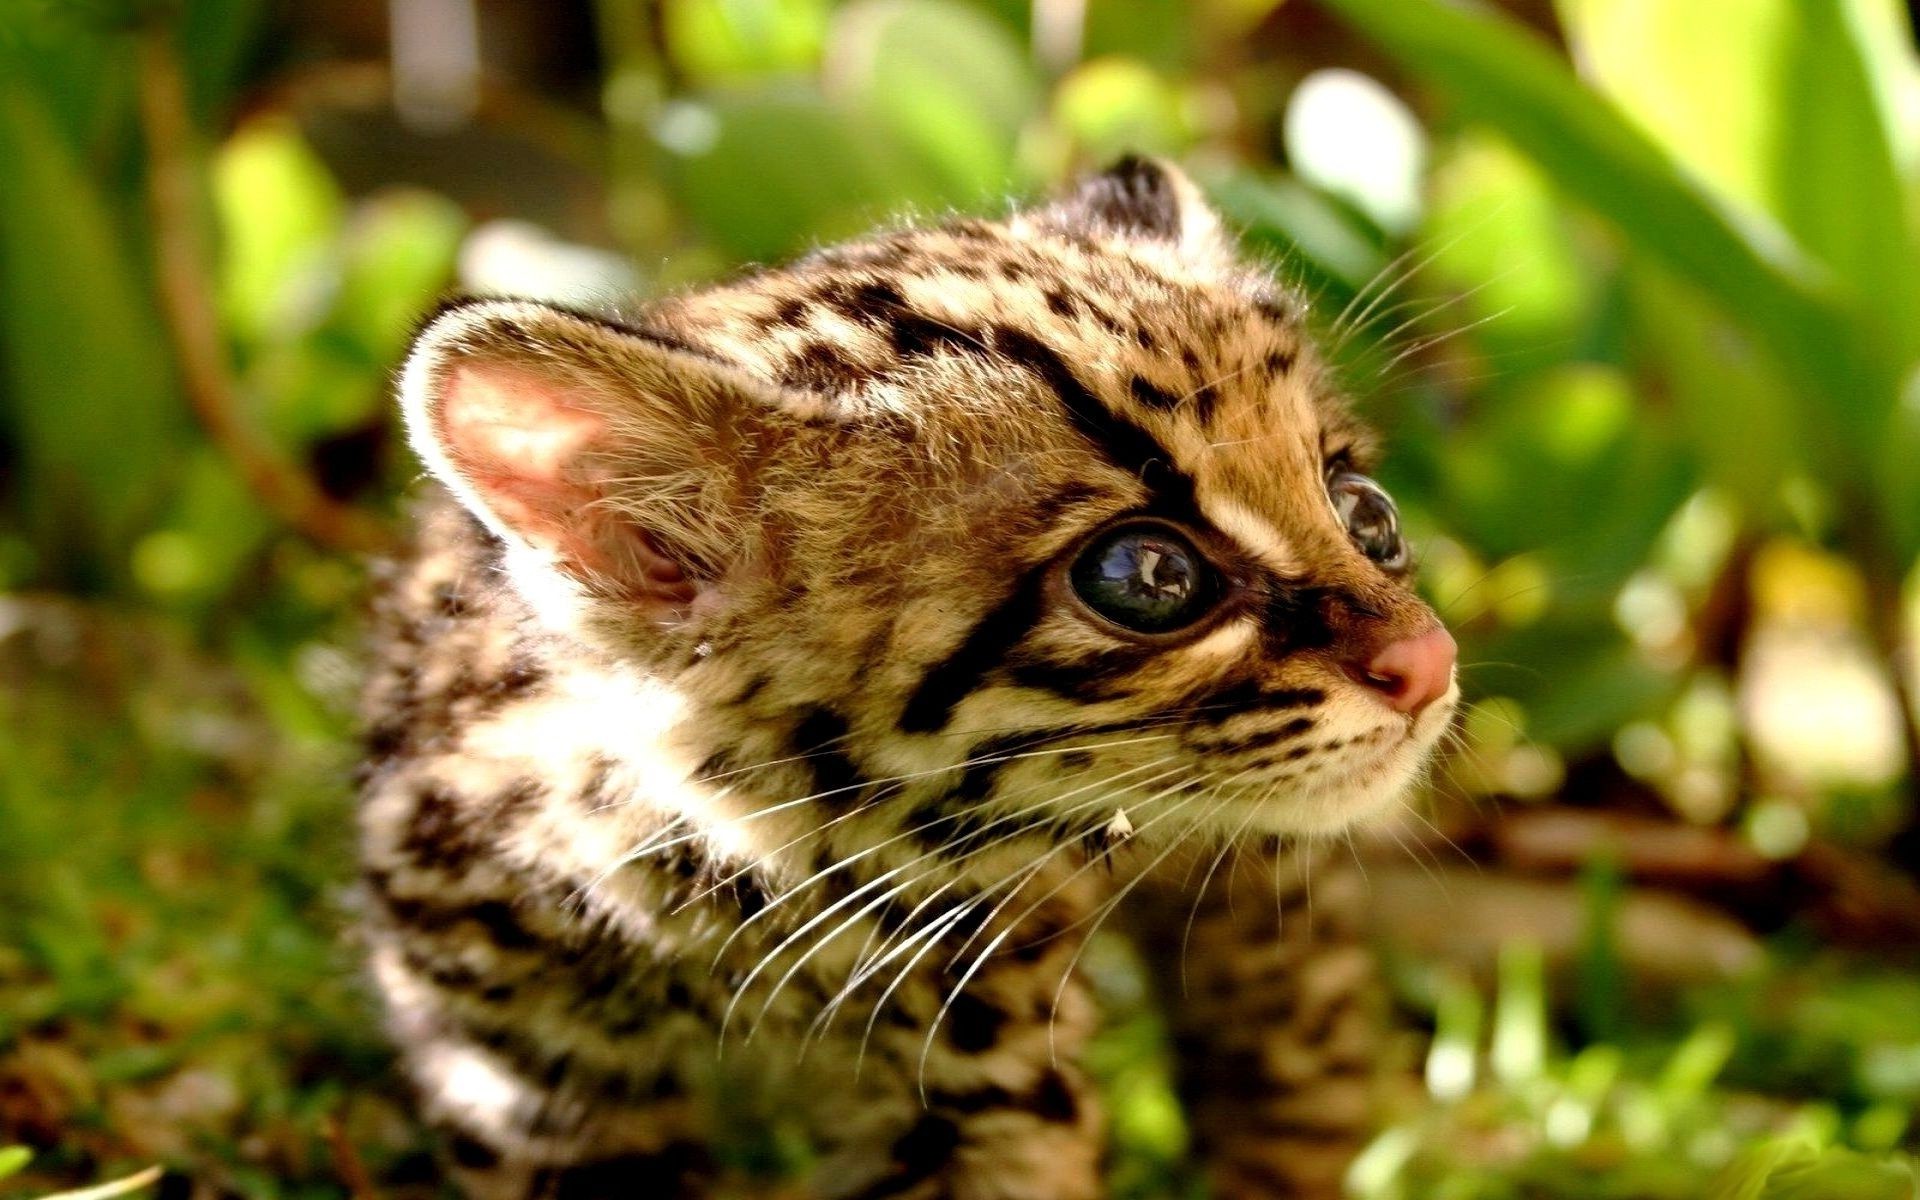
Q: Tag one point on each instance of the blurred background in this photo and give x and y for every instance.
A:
(1631, 286)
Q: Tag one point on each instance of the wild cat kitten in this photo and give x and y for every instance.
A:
(789, 678)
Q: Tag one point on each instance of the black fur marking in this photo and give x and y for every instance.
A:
(1274, 308)
(1152, 395)
(1089, 677)
(503, 925)
(982, 771)
(880, 305)
(1264, 738)
(955, 677)
(819, 365)
(1300, 618)
(1249, 695)
(670, 1171)
(472, 1153)
(1280, 363)
(496, 918)
(918, 1154)
(1125, 444)
(1206, 398)
(1051, 1100)
(973, 1024)
(1045, 512)
(818, 740)
(436, 835)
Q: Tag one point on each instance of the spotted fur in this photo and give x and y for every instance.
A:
(739, 758)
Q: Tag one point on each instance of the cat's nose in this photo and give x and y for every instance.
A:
(1413, 672)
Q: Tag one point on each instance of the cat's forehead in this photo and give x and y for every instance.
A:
(993, 329)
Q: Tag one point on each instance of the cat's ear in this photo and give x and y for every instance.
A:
(1145, 198)
(611, 455)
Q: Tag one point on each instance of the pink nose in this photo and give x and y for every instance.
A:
(1413, 672)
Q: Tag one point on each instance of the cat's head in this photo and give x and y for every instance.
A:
(1011, 525)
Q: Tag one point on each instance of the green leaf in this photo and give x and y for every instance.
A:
(398, 254)
(1501, 241)
(1740, 416)
(89, 381)
(948, 83)
(279, 211)
(766, 173)
(1783, 1169)
(721, 40)
(1498, 73)
(1775, 103)
(1317, 239)
(13, 1160)
(1114, 106)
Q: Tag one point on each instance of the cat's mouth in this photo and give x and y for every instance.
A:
(1356, 778)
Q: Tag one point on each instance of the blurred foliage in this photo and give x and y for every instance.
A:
(1630, 286)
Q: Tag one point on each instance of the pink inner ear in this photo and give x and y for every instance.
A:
(527, 450)
(520, 445)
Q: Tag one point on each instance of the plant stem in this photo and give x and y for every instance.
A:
(184, 280)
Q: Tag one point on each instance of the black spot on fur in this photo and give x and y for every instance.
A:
(914, 334)
(819, 739)
(448, 601)
(752, 689)
(978, 777)
(1152, 395)
(472, 1153)
(921, 1151)
(1053, 1100)
(1045, 512)
(973, 1024)
(1265, 738)
(1206, 398)
(819, 365)
(503, 925)
(669, 1171)
(436, 836)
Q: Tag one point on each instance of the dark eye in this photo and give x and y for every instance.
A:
(1371, 519)
(1147, 578)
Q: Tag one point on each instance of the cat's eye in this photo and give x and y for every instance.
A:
(1372, 521)
(1146, 577)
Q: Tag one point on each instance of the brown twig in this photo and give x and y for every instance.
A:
(346, 1161)
(187, 308)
